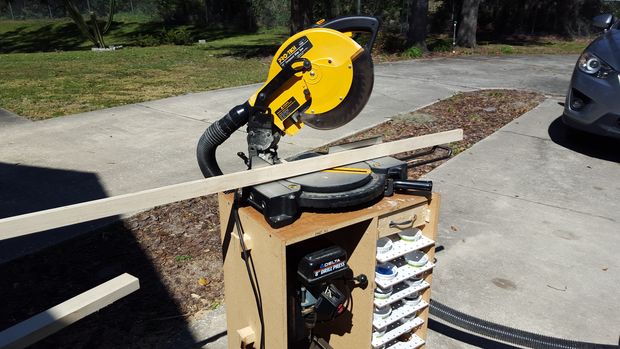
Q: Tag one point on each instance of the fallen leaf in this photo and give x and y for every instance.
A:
(203, 282)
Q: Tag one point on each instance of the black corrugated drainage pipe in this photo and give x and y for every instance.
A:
(507, 334)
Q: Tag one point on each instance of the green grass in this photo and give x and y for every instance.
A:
(441, 46)
(531, 45)
(182, 258)
(48, 84)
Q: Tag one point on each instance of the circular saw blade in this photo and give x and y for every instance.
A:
(354, 101)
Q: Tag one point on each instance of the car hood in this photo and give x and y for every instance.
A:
(607, 48)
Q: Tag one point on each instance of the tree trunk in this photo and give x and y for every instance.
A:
(250, 24)
(466, 35)
(418, 21)
(301, 15)
(11, 10)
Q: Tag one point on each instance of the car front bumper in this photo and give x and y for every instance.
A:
(600, 111)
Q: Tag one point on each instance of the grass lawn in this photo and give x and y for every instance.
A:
(71, 79)
(46, 84)
(530, 45)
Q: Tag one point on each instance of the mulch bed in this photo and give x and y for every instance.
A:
(175, 249)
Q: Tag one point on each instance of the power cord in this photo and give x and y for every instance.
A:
(249, 265)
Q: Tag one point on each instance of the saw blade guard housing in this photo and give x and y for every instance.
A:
(320, 77)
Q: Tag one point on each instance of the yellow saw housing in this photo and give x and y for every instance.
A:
(319, 89)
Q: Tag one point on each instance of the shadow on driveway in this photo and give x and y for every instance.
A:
(587, 144)
(27, 189)
(34, 282)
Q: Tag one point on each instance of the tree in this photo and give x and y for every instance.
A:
(93, 33)
(301, 15)
(11, 9)
(466, 35)
(418, 22)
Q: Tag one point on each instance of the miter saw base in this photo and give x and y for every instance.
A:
(343, 188)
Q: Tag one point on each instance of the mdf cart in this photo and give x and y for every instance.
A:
(273, 251)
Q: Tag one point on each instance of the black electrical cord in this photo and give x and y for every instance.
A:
(249, 265)
(507, 334)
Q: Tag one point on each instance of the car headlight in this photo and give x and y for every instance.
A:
(590, 64)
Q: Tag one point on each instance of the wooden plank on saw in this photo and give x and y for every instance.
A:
(61, 216)
(50, 321)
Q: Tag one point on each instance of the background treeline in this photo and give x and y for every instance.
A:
(405, 22)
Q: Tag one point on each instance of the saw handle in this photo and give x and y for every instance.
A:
(414, 185)
(363, 24)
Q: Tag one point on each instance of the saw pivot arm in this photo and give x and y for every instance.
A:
(287, 72)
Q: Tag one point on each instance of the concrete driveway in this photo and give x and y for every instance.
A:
(531, 234)
(83, 157)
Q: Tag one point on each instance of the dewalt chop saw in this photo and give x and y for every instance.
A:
(320, 77)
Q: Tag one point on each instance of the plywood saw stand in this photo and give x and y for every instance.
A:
(357, 232)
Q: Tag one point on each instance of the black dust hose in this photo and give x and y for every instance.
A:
(217, 134)
(507, 334)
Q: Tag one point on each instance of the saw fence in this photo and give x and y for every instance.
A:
(58, 317)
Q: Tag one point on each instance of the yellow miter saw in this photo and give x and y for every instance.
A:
(320, 77)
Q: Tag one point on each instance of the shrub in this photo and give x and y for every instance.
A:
(390, 39)
(177, 36)
(413, 52)
(147, 40)
(440, 45)
(506, 50)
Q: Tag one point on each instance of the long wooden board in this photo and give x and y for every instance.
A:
(58, 217)
(50, 321)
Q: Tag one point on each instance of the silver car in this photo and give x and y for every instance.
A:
(593, 98)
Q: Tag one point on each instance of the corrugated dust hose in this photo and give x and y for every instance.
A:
(216, 134)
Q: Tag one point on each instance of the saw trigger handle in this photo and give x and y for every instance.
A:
(413, 185)
(355, 24)
(392, 185)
